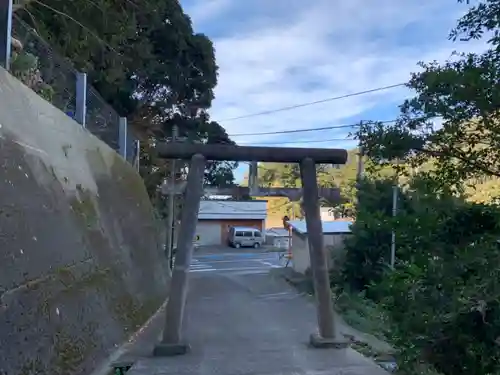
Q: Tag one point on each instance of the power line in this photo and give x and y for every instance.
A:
(296, 130)
(304, 130)
(306, 104)
(295, 142)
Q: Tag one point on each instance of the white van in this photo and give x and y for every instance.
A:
(245, 236)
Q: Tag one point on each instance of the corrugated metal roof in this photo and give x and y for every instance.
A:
(328, 226)
(240, 229)
(224, 209)
(278, 232)
(326, 209)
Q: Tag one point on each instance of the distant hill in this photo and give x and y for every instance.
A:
(288, 175)
(486, 190)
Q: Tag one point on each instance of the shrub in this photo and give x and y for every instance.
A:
(443, 298)
(368, 249)
(446, 311)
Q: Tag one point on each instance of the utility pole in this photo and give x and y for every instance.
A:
(171, 203)
(359, 178)
(395, 190)
(360, 169)
(395, 194)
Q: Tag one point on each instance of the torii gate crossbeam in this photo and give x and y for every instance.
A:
(252, 153)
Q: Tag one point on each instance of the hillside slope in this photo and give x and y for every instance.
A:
(288, 175)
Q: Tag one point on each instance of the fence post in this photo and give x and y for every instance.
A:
(137, 159)
(81, 98)
(5, 32)
(122, 137)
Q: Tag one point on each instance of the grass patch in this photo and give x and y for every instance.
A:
(362, 314)
(369, 327)
(366, 316)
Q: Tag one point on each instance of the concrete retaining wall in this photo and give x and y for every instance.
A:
(81, 264)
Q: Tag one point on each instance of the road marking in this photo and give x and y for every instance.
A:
(234, 269)
(238, 261)
(196, 265)
(273, 294)
(236, 256)
(259, 263)
(203, 270)
(271, 265)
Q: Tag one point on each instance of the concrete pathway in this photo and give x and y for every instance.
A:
(242, 323)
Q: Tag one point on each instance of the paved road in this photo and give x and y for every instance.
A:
(240, 320)
(242, 262)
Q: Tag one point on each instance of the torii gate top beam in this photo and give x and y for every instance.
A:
(221, 152)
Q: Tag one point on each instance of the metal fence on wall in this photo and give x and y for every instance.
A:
(55, 79)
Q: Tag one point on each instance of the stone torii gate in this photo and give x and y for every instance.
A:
(172, 342)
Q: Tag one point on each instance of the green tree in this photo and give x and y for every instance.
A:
(464, 94)
(368, 249)
(442, 298)
(290, 175)
(268, 174)
(343, 177)
(146, 61)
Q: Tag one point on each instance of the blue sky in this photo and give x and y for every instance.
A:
(279, 53)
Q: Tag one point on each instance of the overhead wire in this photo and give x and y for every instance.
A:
(297, 142)
(306, 104)
(304, 130)
(358, 124)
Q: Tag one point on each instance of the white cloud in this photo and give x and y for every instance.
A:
(282, 53)
(203, 11)
(326, 48)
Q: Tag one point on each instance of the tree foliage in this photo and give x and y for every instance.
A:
(288, 175)
(443, 296)
(146, 61)
(342, 177)
(368, 249)
(464, 95)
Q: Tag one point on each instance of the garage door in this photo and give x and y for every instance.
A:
(208, 234)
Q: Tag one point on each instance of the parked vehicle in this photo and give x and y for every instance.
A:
(245, 237)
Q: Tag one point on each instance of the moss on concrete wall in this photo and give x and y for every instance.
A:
(83, 205)
(81, 264)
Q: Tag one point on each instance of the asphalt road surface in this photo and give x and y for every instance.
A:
(223, 260)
